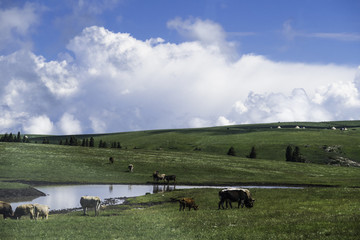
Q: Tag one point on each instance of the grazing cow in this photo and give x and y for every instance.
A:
(90, 202)
(170, 178)
(157, 176)
(242, 196)
(131, 168)
(6, 209)
(41, 210)
(23, 210)
(187, 202)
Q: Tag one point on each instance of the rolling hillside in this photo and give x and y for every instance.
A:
(317, 142)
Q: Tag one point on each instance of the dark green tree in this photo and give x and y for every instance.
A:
(252, 153)
(289, 154)
(92, 142)
(18, 139)
(231, 151)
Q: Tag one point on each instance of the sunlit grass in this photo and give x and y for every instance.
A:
(312, 213)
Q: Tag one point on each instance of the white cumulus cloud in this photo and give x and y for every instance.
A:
(115, 82)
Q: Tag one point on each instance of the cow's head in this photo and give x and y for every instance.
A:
(249, 203)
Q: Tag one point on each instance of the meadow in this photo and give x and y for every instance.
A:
(327, 208)
(311, 213)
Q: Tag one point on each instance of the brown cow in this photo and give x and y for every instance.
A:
(187, 202)
(242, 196)
(6, 209)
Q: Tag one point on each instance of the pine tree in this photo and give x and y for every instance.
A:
(231, 151)
(289, 154)
(252, 153)
(92, 142)
(18, 139)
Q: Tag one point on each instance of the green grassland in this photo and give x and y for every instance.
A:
(270, 142)
(311, 213)
(198, 156)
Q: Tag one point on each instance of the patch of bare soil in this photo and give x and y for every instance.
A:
(22, 194)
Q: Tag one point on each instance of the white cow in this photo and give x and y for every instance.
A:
(41, 210)
(90, 202)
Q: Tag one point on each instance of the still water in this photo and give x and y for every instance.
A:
(68, 196)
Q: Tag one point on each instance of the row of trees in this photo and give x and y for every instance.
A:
(292, 155)
(13, 138)
(88, 142)
(232, 152)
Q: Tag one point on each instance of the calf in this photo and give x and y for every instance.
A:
(187, 202)
(23, 210)
(6, 209)
(41, 210)
(90, 202)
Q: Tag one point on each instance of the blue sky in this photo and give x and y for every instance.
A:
(119, 65)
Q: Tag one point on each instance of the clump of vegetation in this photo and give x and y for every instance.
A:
(252, 153)
(231, 151)
(293, 155)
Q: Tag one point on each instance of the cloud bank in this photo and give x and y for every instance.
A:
(114, 82)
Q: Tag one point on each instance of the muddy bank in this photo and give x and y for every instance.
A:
(27, 193)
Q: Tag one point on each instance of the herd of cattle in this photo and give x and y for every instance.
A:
(228, 195)
(35, 211)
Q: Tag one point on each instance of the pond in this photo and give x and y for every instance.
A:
(68, 196)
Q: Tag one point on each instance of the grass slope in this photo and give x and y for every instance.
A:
(270, 142)
(312, 213)
(55, 163)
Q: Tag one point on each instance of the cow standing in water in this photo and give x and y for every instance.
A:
(242, 196)
(90, 202)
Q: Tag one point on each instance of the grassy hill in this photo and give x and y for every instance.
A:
(317, 142)
(196, 156)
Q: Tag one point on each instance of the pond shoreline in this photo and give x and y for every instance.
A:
(46, 183)
(31, 192)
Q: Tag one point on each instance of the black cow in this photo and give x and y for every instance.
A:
(6, 209)
(170, 178)
(242, 196)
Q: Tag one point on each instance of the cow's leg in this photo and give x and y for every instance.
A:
(221, 203)
(84, 209)
(229, 204)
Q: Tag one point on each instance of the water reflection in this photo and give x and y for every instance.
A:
(64, 197)
(163, 188)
